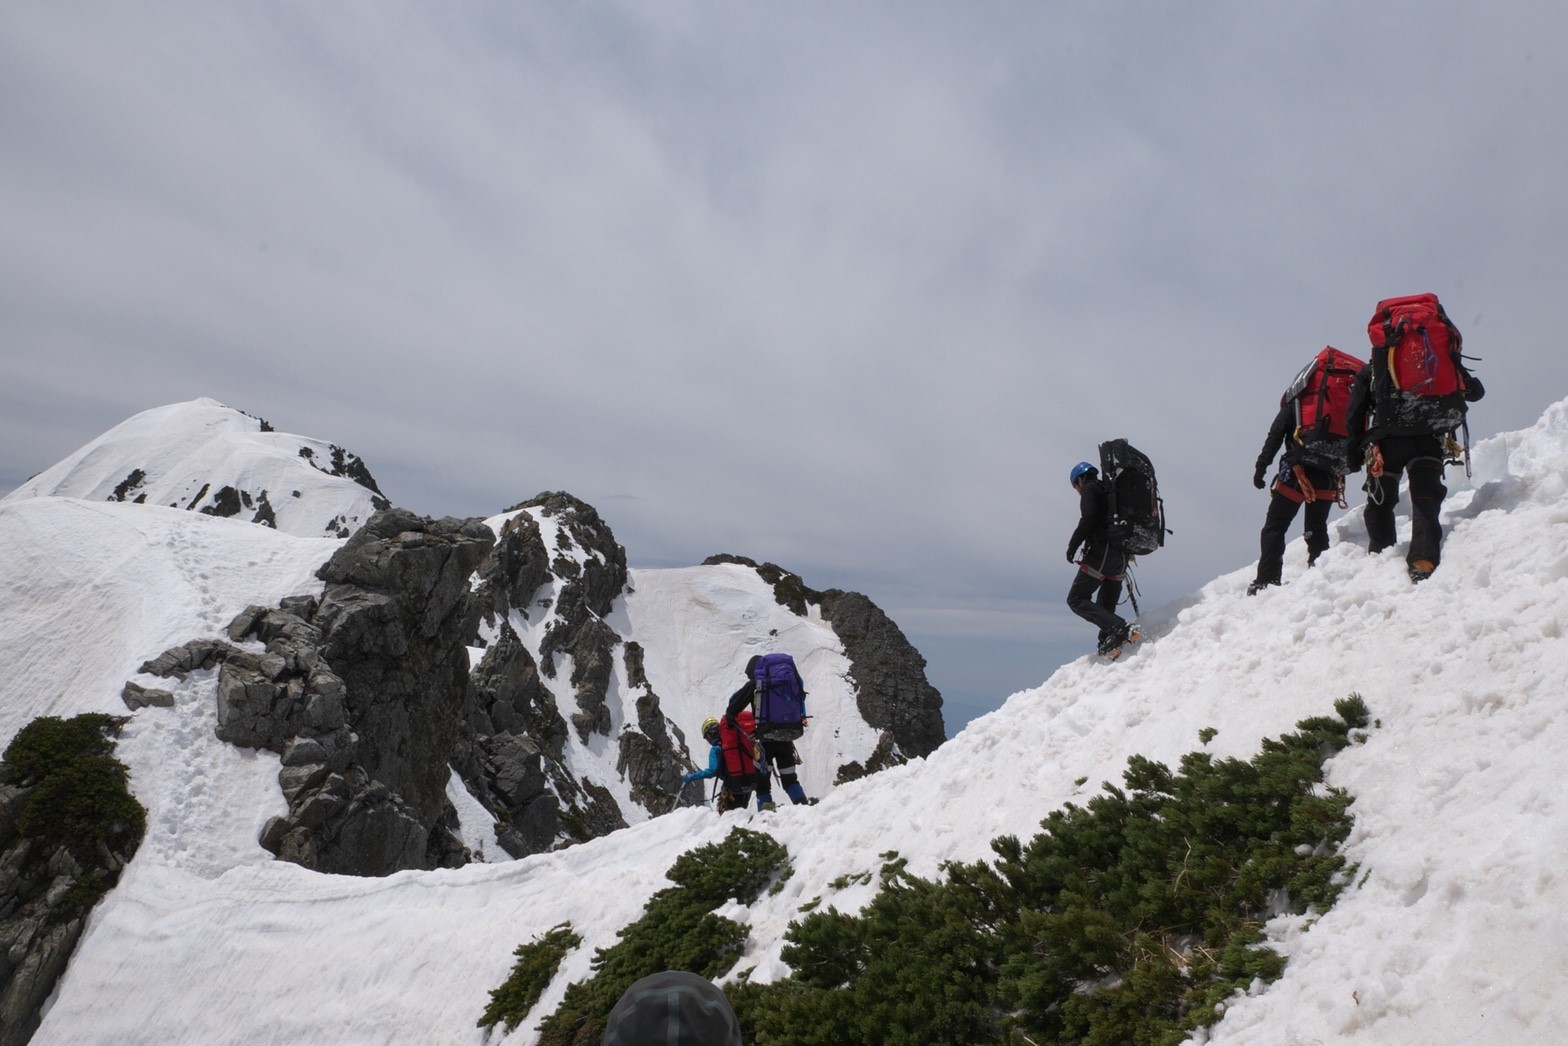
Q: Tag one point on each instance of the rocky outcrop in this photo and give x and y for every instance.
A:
(891, 689)
(360, 693)
(591, 570)
(511, 758)
(510, 755)
(367, 695)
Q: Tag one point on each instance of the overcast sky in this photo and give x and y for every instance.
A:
(848, 287)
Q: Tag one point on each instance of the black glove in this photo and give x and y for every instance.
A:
(1257, 477)
(1355, 456)
(1072, 553)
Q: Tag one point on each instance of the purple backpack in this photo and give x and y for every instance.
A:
(781, 698)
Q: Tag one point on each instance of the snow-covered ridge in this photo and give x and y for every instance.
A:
(204, 456)
(1449, 934)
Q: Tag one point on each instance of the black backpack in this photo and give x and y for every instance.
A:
(1135, 513)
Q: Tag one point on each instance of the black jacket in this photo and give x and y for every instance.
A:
(1092, 513)
(1276, 438)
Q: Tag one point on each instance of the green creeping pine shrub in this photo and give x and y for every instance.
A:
(537, 962)
(78, 796)
(677, 931)
(1129, 920)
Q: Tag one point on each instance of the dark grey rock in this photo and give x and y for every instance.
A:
(137, 696)
(194, 656)
(891, 689)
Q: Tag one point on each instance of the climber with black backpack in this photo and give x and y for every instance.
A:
(775, 696)
(1311, 427)
(1119, 517)
(1415, 390)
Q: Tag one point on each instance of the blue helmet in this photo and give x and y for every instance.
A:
(1078, 472)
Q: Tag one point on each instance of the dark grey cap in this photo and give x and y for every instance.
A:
(672, 1008)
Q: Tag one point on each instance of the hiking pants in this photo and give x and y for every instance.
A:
(1097, 589)
(780, 755)
(733, 798)
(1421, 459)
(1284, 501)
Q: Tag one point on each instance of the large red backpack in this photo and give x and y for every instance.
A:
(1417, 378)
(737, 761)
(1320, 398)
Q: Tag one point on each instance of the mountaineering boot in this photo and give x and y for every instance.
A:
(1420, 570)
(1258, 586)
(796, 793)
(1111, 649)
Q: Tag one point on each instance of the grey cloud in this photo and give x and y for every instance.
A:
(907, 261)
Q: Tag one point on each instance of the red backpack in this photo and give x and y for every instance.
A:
(737, 750)
(1320, 397)
(1418, 380)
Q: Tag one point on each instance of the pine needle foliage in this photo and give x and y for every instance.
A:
(537, 962)
(677, 931)
(1128, 920)
(77, 797)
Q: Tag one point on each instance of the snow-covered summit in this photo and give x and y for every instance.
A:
(1450, 933)
(205, 456)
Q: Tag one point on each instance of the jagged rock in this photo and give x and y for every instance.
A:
(41, 950)
(593, 661)
(137, 696)
(514, 775)
(505, 696)
(361, 693)
(891, 689)
(603, 575)
(194, 656)
(516, 568)
(510, 756)
(226, 502)
(647, 760)
(596, 815)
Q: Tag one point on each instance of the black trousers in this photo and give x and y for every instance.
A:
(1421, 459)
(780, 755)
(1282, 512)
(1097, 588)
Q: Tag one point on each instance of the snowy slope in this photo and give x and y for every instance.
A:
(185, 454)
(1452, 934)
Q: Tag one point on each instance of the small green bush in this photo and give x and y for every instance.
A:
(46, 744)
(77, 796)
(537, 962)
